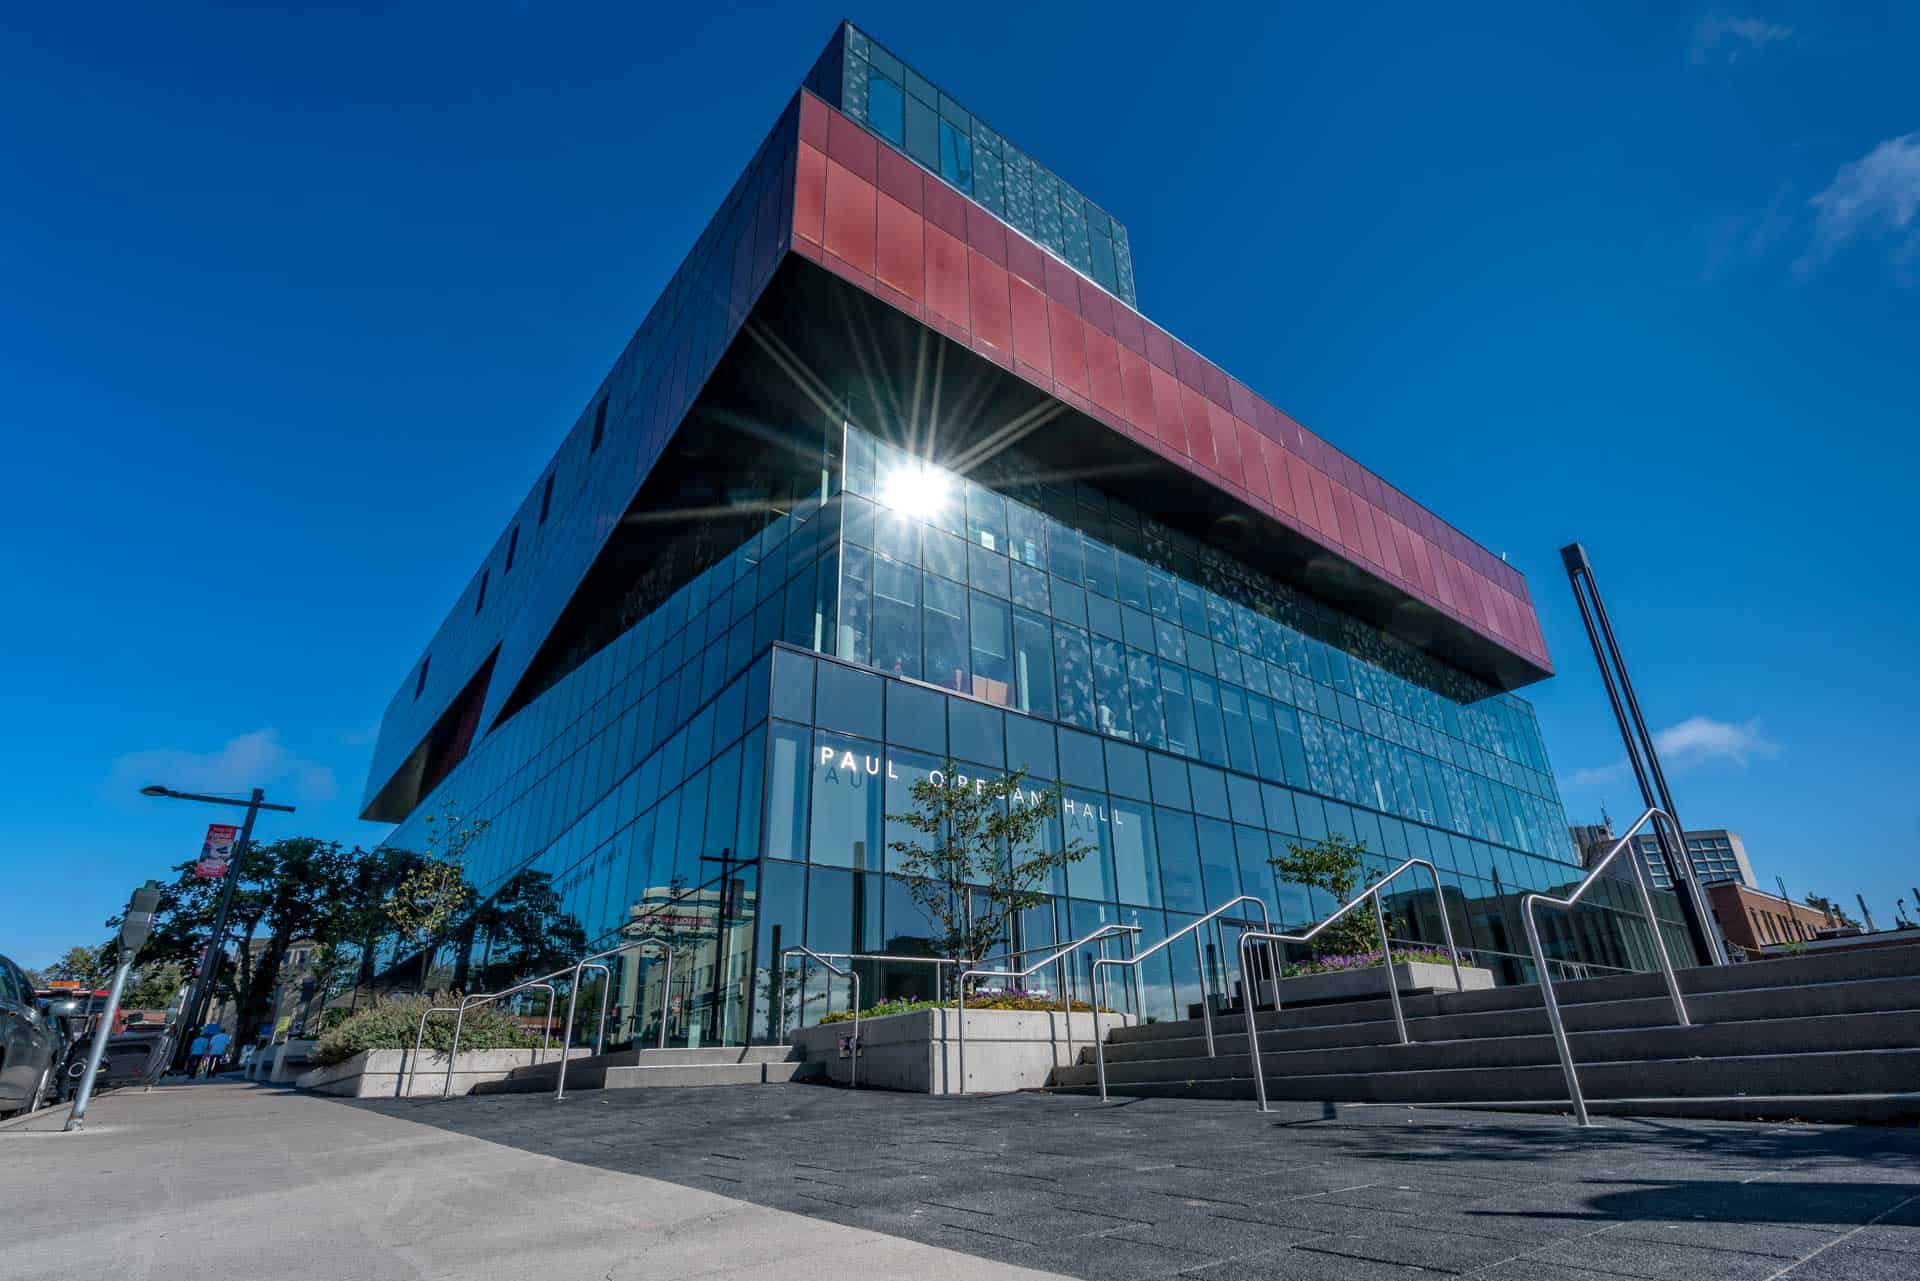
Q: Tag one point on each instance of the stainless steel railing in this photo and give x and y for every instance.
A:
(1133, 962)
(595, 962)
(1552, 1002)
(1268, 938)
(1057, 958)
(484, 998)
(853, 1060)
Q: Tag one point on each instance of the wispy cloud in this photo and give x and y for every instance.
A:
(1876, 194)
(1698, 740)
(1598, 775)
(258, 759)
(1725, 36)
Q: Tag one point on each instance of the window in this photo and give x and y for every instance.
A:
(480, 597)
(421, 683)
(513, 545)
(599, 427)
(885, 109)
(546, 498)
(956, 157)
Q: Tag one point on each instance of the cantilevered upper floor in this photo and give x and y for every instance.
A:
(840, 248)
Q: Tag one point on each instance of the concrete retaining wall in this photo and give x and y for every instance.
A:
(920, 1051)
(383, 1073)
(1353, 985)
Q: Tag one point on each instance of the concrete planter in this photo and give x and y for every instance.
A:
(383, 1073)
(920, 1051)
(285, 1062)
(1357, 985)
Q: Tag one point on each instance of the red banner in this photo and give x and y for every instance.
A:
(216, 852)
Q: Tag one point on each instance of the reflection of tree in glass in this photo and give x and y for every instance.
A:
(991, 840)
(521, 932)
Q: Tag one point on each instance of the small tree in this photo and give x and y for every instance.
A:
(1333, 865)
(990, 834)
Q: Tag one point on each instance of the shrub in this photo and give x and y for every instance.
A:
(392, 1025)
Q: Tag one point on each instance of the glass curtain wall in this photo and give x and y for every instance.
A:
(1198, 716)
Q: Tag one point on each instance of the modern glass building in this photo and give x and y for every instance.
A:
(894, 478)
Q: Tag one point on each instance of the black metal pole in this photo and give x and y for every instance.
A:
(1638, 741)
(216, 948)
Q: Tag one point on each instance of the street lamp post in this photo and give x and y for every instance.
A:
(210, 961)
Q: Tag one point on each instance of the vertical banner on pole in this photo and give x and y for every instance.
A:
(216, 851)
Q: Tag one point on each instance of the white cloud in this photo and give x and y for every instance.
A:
(1878, 192)
(1724, 34)
(1598, 775)
(258, 759)
(1698, 740)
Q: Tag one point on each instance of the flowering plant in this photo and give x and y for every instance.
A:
(1343, 962)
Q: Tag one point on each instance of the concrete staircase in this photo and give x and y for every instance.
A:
(642, 1069)
(1833, 1037)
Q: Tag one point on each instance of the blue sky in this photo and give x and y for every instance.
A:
(297, 304)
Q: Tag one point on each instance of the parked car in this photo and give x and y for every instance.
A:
(31, 1046)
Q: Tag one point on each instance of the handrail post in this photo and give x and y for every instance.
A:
(1253, 1028)
(960, 993)
(666, 999)
(1554, 1022)
(566, 1035)
(1099, 1041)
(1206, 997)
(1386, 957)
(459, 1020)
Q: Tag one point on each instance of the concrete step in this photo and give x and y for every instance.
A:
(1885, 1071)
(1892, 1029)
(1582, 1005)
(1830, 1109)
(1852, 996)
(602, 1076)
(757, 1073)
(671, 1056)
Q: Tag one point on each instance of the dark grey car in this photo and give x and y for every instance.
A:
(30, 1046)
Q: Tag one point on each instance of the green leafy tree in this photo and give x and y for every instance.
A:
(88, 966)
(1333, 865)
(153, 986)
(286, 893)
(981, 850)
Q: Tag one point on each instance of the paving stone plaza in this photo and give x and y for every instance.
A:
(1158, 1188)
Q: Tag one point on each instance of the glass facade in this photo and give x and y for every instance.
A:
(718, 779)
(908, 110)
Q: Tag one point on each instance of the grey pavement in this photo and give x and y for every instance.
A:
(240, 1182)
(1150, 1188)
(802, 1181)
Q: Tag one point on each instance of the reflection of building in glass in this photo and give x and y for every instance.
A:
(893, 476)
(1716, 853)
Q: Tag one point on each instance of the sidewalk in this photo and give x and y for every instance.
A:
(230, 1181)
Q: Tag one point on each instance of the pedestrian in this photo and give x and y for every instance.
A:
(196, 1054)
(217, 1050)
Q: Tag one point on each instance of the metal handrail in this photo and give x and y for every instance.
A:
(593, 962)
(1055, 957)
(853, 1060)
(419, 1037)
(483, 998)
(1552, 1003)
(1133, 962)
(1269, 938)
